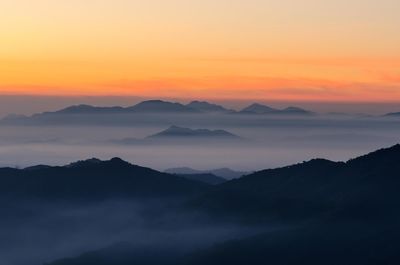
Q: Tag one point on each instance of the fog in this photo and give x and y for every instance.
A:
(266, 141)
(33, 233)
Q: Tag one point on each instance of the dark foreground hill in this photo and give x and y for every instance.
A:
(93, 179)
(364, 187)
(316, 212)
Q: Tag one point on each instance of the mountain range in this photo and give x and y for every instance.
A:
(93, 179)
(159, 106)
(337, 213)
(323, 186)
(225, 173)
(263, 109)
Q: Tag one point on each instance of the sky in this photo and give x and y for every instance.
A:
(293, 50)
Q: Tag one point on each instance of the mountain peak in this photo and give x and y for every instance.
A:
(182, 132)
(258, 109)
(116, 161)
(76, 108)
(87, 162)
(161, 106)
(386, 156)
(296, 110)
(206, 106)
(84, 109)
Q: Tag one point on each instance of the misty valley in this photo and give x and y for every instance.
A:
(170, 183)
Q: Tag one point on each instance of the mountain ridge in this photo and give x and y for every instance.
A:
(324, 186)
(225, 173)
(260, 109)
(182, 132)
(93, 179)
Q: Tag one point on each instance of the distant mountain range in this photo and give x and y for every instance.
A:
(77, 113)
(151, 106)
(205, 177)
(148, 106)
(159, 106)
(263, 109)
(225, 173)
(208, 107)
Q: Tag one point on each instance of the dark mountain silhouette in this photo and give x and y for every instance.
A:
(257, 108)
(176, 135)
(142, 107)
(363, 186)
(182, 133)
(86, 114)
(392, 114)
(161, 106)
(84, 163)
(225, 173)
(88, 109)
(205, 177)
(316, 212)
(295, 110)
(73, 113)
(207, 107)
(93, 179)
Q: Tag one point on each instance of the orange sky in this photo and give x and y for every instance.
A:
(343, 50)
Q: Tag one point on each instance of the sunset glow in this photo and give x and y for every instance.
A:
(313, 50)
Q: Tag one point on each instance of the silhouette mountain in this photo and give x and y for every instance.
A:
(316, 212)
(392, 114)
(257, 108)
(142, 107)
(295, 110)
(225, 173)
(181, 132)
(207, 107)
(360, 187)
(160, 106)
(74, 112)
(88, 109)
(93, 179)
(204, 177)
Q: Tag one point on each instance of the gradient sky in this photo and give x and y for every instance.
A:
(342, 50)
